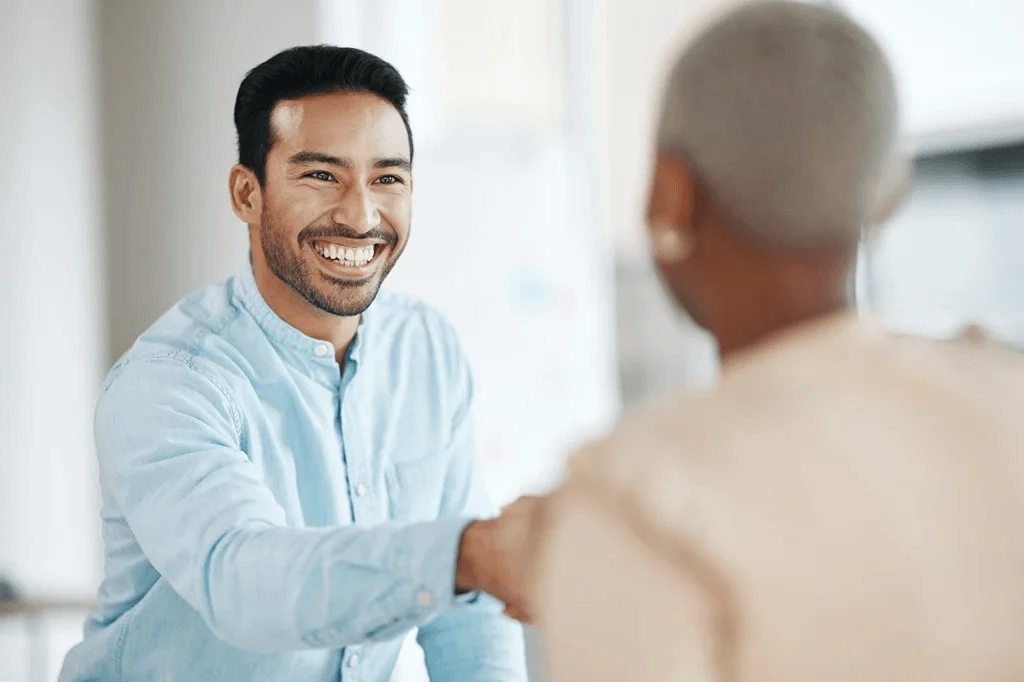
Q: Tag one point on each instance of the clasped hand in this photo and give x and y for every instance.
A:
(498, 556)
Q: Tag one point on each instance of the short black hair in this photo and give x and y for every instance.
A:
(302, 71)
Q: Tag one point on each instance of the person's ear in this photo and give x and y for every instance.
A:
(246, 194)
(670, 208)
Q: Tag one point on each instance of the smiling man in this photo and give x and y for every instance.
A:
(286, 458)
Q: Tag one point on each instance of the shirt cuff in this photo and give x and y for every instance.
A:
(426, 555)
(445, 558)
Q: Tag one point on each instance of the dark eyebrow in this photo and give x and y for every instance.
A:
(318, 157)
(394, 162)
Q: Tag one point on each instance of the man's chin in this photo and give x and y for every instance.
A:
(345, 299)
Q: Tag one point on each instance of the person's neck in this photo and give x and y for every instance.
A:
(746, 329)
(296, 311)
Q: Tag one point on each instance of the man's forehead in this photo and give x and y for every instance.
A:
(341, 116)
(286, 120)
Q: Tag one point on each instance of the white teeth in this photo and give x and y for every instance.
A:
(354, 257)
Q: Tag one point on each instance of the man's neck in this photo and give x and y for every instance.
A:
(296, 311)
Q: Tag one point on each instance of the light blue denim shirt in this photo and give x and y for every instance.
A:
(271, 515)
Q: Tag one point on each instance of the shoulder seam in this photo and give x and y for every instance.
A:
(188, 360)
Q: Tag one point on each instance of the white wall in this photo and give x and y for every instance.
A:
(503, 62)
(51, 302)
(959, 66)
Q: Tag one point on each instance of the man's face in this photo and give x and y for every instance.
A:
(336, 198)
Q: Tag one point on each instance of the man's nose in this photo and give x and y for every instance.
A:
(356, 209)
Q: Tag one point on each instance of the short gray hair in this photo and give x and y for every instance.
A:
(787, 114)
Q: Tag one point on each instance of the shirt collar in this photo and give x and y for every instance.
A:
(284, 335)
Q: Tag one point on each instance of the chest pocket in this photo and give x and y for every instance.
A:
(415, 488)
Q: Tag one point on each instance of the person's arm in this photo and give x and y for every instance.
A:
(170, 441)
(474, 642)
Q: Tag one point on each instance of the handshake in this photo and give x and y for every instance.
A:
(498, 556)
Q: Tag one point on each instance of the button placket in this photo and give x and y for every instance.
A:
(359, 492)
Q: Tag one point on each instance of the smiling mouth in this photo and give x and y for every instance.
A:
(353, 257)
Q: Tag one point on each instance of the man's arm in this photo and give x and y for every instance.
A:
(474, 642)
(169, 439)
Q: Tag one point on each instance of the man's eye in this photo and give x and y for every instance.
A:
(320, 175)
(389, 180)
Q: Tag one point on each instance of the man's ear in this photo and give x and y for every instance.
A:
(246, 194)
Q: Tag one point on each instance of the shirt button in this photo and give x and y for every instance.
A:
(321, 350)
(353, 661)
(424, 599)
(360, 490)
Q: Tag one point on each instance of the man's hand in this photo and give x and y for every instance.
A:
(497, 556)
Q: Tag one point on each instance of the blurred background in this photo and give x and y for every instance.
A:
(533, 121)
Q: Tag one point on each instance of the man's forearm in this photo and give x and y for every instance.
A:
(337, 587)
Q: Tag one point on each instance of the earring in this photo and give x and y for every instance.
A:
(669, 244)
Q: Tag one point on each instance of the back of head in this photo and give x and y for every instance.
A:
(786, 114)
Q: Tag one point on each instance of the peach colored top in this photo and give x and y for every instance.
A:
(845, 505)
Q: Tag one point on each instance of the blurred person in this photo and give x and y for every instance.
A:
(845, 504)
(286, 458)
